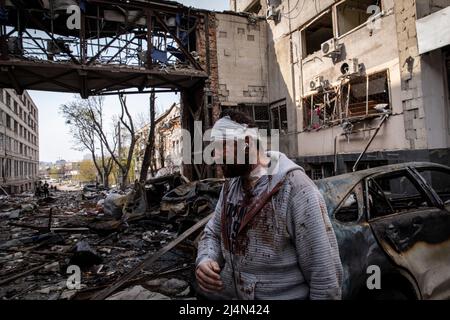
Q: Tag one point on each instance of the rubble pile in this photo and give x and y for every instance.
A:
(104, 235)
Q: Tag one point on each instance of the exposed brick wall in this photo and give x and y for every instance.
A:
(410, 68)
(206, 37)
(207, 47)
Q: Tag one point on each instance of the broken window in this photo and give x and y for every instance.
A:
(395, 193)
(278, 113)
(361, 97)
(366, 95)
(255, 8)
(317, 33)
(353, 13)
(439, 181)
(261, 116)
(258, 113)
(319, 110)
(319, 171)
(352, 206)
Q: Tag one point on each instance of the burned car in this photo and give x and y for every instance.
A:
(396, 218)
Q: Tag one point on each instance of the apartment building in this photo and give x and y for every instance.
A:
(19, 141)
(338, 78)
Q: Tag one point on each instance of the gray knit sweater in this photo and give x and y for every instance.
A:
(290, 250)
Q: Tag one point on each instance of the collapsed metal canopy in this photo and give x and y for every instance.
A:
(119, 45)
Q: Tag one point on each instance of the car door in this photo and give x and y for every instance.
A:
(413, 227)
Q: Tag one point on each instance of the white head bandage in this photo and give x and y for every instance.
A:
(227, 129)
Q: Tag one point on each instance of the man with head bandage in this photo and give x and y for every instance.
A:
(270, 236)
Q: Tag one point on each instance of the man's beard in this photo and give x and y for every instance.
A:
(236, 170)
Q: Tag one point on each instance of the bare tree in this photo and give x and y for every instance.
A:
(150, 145)
(126, 121)
(80, 115)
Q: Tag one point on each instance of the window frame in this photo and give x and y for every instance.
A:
(341, 112)
(423, 189)
(250, 110)
(277, 106)
(305, 56)
(360, 195)
(336, 22)
(439, 202)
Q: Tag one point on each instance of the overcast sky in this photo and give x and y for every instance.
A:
(55, 141)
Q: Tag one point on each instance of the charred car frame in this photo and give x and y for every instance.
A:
(397, 218)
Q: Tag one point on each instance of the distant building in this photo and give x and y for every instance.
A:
(168, 142)
(19, 141)
(60, 163)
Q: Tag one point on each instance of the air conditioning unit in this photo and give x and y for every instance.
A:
(331, 48)
(317, 83)
(272, 13)
(351, 67)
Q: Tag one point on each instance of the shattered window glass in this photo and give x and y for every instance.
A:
(350, 208)
(351, 14)
(439, 181)
(319, 110)
(358, 101)
(395, 193)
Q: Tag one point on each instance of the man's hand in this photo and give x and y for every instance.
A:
(208, 276)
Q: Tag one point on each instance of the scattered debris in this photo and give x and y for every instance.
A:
(113, 205)
(14, 214)
(123, 243)
(170, 287)
(138, 293)
(84, 256)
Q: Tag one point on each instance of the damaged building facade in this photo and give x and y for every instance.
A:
(19, 141)
(337, 78)
(168, 143)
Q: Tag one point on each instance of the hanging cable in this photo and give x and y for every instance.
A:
(299, 11)
(288, 13)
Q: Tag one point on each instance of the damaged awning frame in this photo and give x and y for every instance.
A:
(119, 45)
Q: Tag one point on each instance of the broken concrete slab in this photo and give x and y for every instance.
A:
(170, 287)
(138, 293)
